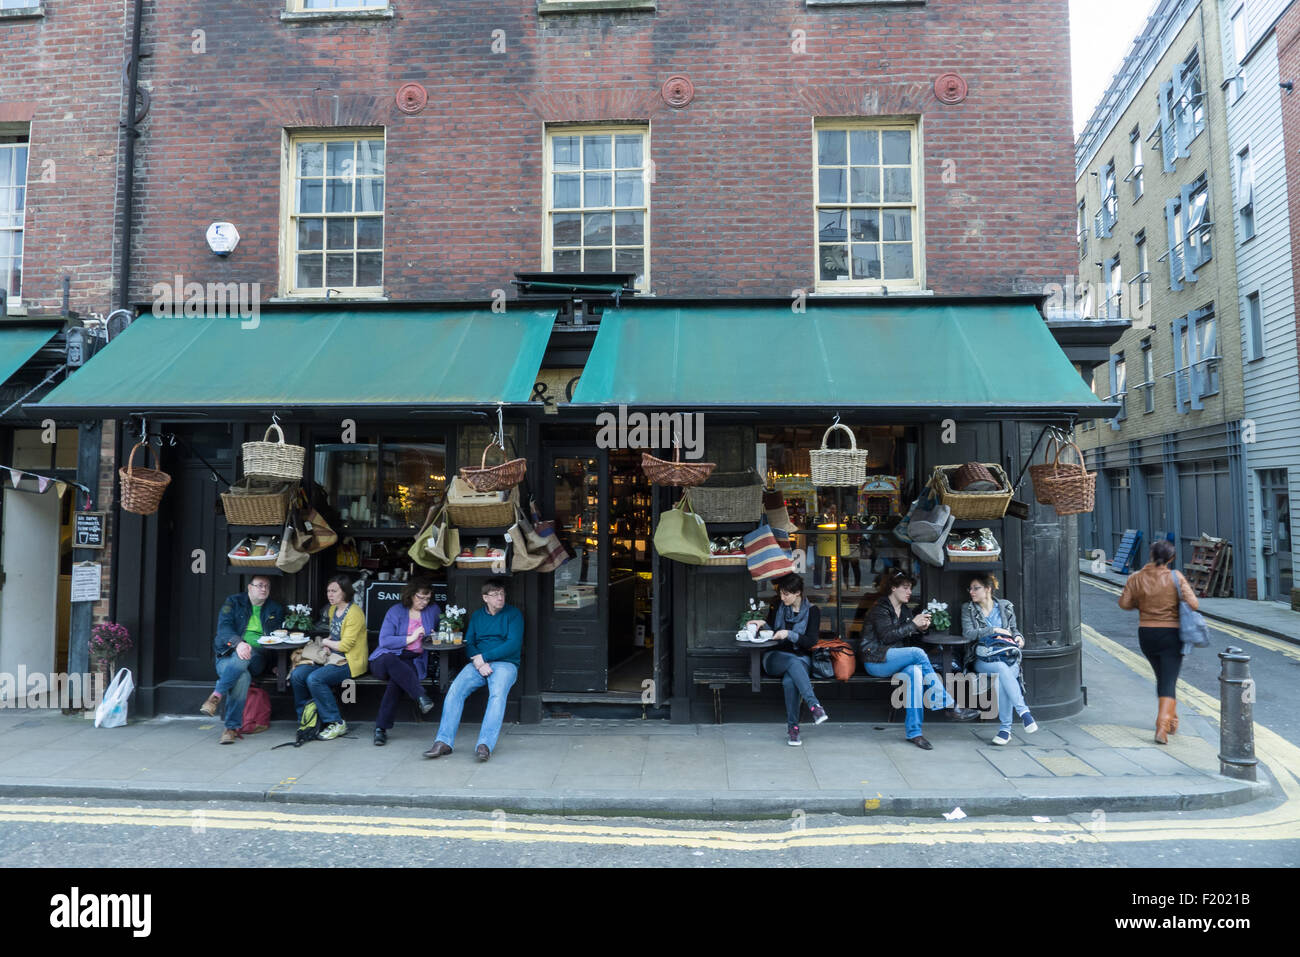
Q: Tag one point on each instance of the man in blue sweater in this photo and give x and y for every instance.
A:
(494, 638)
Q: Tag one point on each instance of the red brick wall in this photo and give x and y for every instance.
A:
(63, 73)
(732, 202)
(1288, 65)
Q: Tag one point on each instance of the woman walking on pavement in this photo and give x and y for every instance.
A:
(1154, 590)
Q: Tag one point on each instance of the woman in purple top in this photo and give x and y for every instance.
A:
(400, 658)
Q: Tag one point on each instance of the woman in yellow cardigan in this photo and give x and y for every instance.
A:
(348, 642)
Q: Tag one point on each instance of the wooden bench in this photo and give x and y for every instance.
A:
(717, 680)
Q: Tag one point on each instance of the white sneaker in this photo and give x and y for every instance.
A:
(1002, 737)
(334, 730)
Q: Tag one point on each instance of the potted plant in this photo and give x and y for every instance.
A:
(108, 640)
(939, 616)
(297, 618)
(454, 621)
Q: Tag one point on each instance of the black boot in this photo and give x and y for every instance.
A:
(426, 704)
(962, 714)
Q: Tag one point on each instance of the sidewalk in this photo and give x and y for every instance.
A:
(1103, 758)
(1267, 617)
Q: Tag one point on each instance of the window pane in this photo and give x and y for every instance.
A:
(627, 151)
(6, 165)
(564, 153)
(898, 260)
(596, 151)
(339, 160)
(311, 233)
(830, 225)
(831, 186)
(833, 261)
(566, 260)
(898, 185)
(311, 159)
(568, 190)
(309, 196)
(339, 233)
(629, 228)
(600, 260)
(865, 183)
(897, 224)
(597, 229)
(370, 195)
(832, 148)
(629, 189)
(866, 225)
(864, 147)
(338, 269)
(370, 232)
(866, 261)
(566, 229)
(896, 147)
(338, 196)
(631, 260)
(370, 269)
(309, 271)
(596, 188)
(370, 157)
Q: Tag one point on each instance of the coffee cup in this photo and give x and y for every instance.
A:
(766, 634)
(753, 630)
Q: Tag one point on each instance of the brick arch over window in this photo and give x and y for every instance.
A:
(868, 99)
(595, 106)
(323, 111)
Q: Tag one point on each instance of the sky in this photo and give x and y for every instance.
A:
(1101, 32)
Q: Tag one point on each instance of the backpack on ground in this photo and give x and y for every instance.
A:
(257, 711)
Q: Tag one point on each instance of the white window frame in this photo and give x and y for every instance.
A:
(1134, 175)
(911, 125)
(1081, 234)
(1238, 37)
(1246, 192)
(1207, 362)
(1114, 287)
(289, 215)
(557, 130)
(1148, 386)
(1143, 278)
(1255, 325)
(15, 219)
(1108, 214)
(1188, 106)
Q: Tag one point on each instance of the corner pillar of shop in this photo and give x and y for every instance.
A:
(82, 613)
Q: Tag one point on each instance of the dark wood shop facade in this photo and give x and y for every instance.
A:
(616, 630)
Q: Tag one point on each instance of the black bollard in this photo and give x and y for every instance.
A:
(1236, 716)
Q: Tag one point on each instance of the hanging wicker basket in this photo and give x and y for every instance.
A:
(729, 497)
(142, 489)
(275, 460)
(843, 467)
(467, 508)
(254, 501)
(969, 505)
(494, 478)
(1073, 488)
(676, 472)
(1049, 467)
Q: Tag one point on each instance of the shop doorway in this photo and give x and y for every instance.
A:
(1275, 533)
(597, 632)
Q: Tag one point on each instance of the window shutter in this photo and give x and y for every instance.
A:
(1114, 388)
(1175, 254)
(1168, 149)
(1198, 321)
(1189, 268)
(1181, 390)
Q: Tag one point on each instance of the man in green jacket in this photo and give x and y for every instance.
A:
(494, 638)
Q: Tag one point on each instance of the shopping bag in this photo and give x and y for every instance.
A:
(924, 505)
(111, 711)
(1193, 632)
(682, 536)
(437, 543)
(529, 550)
(293, 552)
(764, 555)
(320, 535)
(556, 553)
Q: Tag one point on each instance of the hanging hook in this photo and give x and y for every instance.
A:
(501, 428)
(837, 420)
(275, 418)
(144, 428)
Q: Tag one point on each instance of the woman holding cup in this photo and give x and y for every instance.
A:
(796, 625)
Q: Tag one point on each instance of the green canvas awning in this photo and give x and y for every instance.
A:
(978, 357)
(18, 343)
(300, 359)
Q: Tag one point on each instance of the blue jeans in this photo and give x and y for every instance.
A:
(1008, 684)
(234, 675)
(466, 683)
(317, 683)
(795, 673)
(914, 665)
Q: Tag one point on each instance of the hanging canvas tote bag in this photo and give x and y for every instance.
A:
(556, 553)
(764, 555)
(681, 535)
(437, 544)
(528, 549)
(1193, 632)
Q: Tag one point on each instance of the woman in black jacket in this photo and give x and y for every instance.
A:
(797, 624)
(885, 652)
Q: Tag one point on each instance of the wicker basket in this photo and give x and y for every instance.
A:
(676, 472)
(963, 478)
(256, 501)
(261, 561)
(275, 460)
(1038, 474)
(968, 505)
(1072, 487)
(726, 560)
(844, 467)
(729, 497)
(494, 478)
(470, 509)
(142, 489)
(959, 557)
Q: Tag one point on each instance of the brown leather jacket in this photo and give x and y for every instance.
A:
(1150, 590)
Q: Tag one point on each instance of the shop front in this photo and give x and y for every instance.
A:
(616, 630)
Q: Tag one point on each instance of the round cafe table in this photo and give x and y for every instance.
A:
(444, 650)
(948, 645)
(756, 649)
(282, 650)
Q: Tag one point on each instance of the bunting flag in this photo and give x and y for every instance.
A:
(42, 483)
(15, 476)
(60, 488)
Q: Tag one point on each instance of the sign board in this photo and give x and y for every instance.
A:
(381, 596)
(88, 529)
(86, 578)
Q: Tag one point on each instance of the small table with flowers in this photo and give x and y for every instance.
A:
(444, 650)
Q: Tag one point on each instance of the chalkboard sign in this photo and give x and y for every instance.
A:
(88, 531)
(381, 596)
